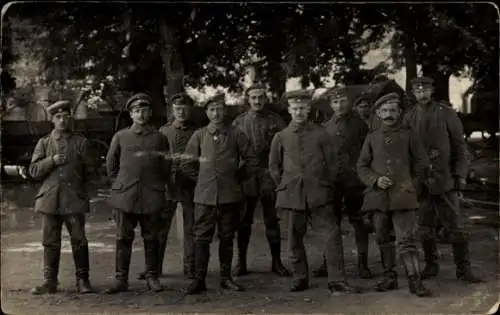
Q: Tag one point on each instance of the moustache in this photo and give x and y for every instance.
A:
(389, 119)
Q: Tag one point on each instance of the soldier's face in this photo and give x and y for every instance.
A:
(389, 113)
(257, 99)
(340, 105)
(215, 113)
(61, 120)
(141, 115)
(180, 112)
(363, 109)
(423, 94)
(299, 111)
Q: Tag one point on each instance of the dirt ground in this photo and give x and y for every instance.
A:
(21, 269)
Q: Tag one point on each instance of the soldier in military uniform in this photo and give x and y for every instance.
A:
(178, 133)
(61, 161)
(391, 157)
(362, 107)
(348, 131)
(260, 124)
(302, 165)
(216, 152)
(138, 163)
(442, 134)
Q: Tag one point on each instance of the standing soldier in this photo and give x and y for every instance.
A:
(178, 133)
(61, 162)
(137, 163)
(301, 163)
(260, 124)
(219, 148)
(442, 134)
(348, 131)
(390, 158)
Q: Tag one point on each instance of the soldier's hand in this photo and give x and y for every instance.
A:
(384, 182)
(59, 159)
(460, 183)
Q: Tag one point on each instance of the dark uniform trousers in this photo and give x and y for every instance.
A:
(405, 225)
(445, 209)
(51, 240)
(271, 221)
(207, 217)
(165, 222)
(125, 234)
(298, 221)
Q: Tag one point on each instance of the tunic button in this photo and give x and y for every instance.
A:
(388, 161)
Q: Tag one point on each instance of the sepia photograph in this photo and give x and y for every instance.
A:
(249, 157)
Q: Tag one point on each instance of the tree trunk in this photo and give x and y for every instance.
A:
(172, 60)
(441, 82)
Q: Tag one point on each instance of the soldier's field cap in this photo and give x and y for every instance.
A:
(217, 99)
(300, 96)
(421, 82)
(261, 88)
(387, 98)
(361, 98)
(181, 99)
(139, 100)
(336, 93)
(58, 107)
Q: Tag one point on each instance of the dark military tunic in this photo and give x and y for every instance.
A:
(63, 188)
(301, 163)
(397, 153)
(218, 153)
(137, 161)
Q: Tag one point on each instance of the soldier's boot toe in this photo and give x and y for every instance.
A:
(430, 270)
(119, 286)
(46, 288)
(364, 272)
(279, 269)
(241, 268)
(154, 284)
(342, 287)
(320, 272)
(83, 286)
(388, 283)
(196, 287)
(465, 275)
(229, 284)
(142, 276)
(299, 285)
(417, 288)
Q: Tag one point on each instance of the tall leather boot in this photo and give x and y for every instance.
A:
(122, 265)
(162, 247)
(81, 260)
(277, 265)
(431, 268)
(201, 258)
(51, 259)
(225, 260)
(151, 259)
(390, 277)
(320, 271)
(411, 263)
(361, 236)
(462, 262)
(243, 240)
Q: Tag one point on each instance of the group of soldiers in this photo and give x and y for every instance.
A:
(392, 172)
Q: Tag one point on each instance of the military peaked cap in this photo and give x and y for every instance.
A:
(336, 93)
(299, 95)
(181, 99)
(256, 86)
(387, 98)
(361, 98)
(139, 99)
(217, 99)
(59, 106)
(421, 82)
